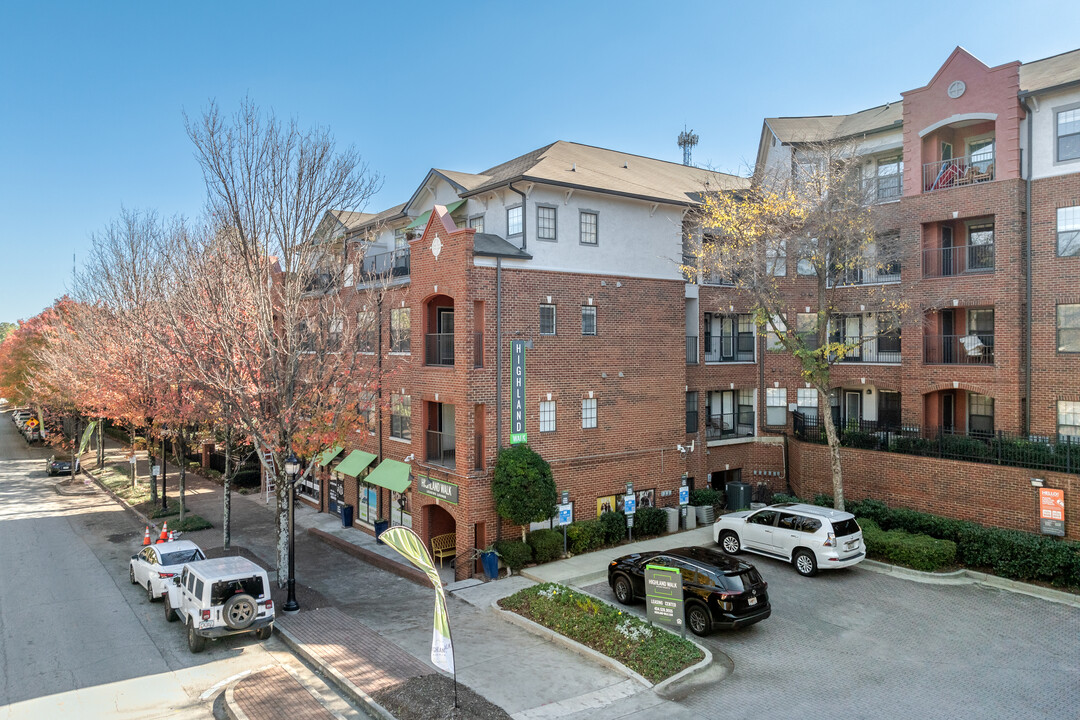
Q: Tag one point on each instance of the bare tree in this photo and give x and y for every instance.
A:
(818, 214)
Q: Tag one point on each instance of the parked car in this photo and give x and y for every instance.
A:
(60, 465)
(810, 537)
(719, 591)
(221, 597)
(20, 416)
(155, 565)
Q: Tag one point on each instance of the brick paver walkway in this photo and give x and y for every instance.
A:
(274, 694)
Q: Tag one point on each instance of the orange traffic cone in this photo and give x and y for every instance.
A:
(146, 536)
(171, 538)
(164, 531)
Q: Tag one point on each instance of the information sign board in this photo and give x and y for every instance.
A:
(684, 495)
(664, 595)
(629, 504)
(566, 514)
(1052, 511)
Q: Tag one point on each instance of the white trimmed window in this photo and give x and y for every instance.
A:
(547, 319)
(1068, 231)
(588, 319)
(1069, 420)
(772, 339)
(807, 400)
(1068, 328)
(776, 258)
(1068, 134)
(806, 265)
(477, 223)
(588, 413)
(545, 223)
(513, 220)
(776, 406)
(400, 330)
(349, 279)
(400, 417)
(547, 416)
(590, 228)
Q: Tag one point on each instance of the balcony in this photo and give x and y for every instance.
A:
(870, 349)
(729, 348)
(441, 449)
(959, 260)
(958, 172)
(691, 350)
(439, 349)
(319, 282)
(866, 276)
(395, 263)
(727, 426)
(883, 188)
(971, 349)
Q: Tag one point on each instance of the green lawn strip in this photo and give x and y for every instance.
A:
(117, 477)
(649, 651)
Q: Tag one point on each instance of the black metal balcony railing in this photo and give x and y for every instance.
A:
(441, 448)
(952, 261)
(733, 348)
(730, 425)
(395, 263)
(998, 448)
(884, 188)
(865, 276)
(691, 350)
(957, 172)
(971, 349)
(870, 349)
(439, 349)
(478, 350)
(319, 282)
(478, 463)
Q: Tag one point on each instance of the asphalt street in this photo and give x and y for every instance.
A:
(76, 639)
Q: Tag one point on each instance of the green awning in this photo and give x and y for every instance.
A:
(422, 220)
(390, 474)
(329, 454)
(355, 463)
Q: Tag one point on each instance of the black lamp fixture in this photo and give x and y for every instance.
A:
(292, 468)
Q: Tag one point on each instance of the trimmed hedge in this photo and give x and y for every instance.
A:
(247, 478)
(614, 526)
(650, 521)
(707, 496)
(919, 552)
(546, 545)
(514, 553)
(585, 535)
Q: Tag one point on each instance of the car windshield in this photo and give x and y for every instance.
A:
(845, 527)
(742, 580)
(181, 556)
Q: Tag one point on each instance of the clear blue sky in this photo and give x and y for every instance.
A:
(92, 93)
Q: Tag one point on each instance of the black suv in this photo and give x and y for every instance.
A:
(718, 590)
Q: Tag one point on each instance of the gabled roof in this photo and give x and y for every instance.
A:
(1050, 72)
(608, 171)
(350, 219)
(834, 127)
(491, 245)
(395, 213)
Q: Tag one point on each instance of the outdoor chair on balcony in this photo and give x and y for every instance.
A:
(973, 345)
(974, 174)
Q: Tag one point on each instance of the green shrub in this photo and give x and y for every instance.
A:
(247, 478)
(523, 487)
(963, 446)
(613, 526)
(584, 536)
(707, 496)
(650, 521)
(913, 446)
(191, 523)
(824, 500)
(784, 498)
(546, 545)
(874, 510)
(860, 439)
(515, 554)
(919, 552)
(1021, 556)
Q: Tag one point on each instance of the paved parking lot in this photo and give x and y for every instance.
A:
(860, 644)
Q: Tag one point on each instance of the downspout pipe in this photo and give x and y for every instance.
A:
(1027, 267)
(498, 354)
(524, 216)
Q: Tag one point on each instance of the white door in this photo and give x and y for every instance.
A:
(759, 530)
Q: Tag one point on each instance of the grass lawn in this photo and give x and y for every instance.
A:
(652, 652)
(117, 477)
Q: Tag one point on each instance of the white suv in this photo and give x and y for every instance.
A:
(811, 538)
(220, 597)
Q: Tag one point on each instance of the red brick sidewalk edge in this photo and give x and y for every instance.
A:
(372, 558)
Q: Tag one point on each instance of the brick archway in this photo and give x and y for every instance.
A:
(970, 387)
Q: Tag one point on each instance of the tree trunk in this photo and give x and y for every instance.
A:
(153, 480)
(181, 460)
(101, 445)
(133, 465)
(282, 496)
(74, 446)
(226, 481)
(834, 455)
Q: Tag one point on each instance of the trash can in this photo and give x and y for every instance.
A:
(691, 517)
(738, 496)
(672, 519)
(346, 514)
(381, 526)
(490, 561)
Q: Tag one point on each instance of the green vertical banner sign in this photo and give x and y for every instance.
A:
(409, 544)
(517, 392)
(86, 436)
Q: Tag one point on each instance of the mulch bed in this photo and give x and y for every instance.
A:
(431, 697)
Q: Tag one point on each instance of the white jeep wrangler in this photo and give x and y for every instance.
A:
(220, 597)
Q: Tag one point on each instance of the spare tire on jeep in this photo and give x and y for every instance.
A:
(239, 611)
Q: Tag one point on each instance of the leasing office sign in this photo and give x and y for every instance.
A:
(440, 489)
(517, 392)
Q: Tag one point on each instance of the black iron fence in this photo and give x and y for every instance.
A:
(396, 263)
(439, 349)
(730, 425)
(995, 448)
(441, 448)
(970, 349)
(691, 350)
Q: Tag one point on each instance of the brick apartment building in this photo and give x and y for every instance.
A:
(634, 374)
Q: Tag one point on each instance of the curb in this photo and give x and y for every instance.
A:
(577, 580)
(362, 700)
(973, 577)
(371, 558)
(117, 499)
(232, 709)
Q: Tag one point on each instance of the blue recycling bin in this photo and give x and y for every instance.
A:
(381, 526)
(346, 514)
(490, 561)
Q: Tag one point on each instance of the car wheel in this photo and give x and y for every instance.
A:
(150, 591)
(729, 542)
(624, 592)
(697, 617)
(805, 563)
(196, 643)
(264, 633)
(131, 575)
(170, 614)
(239, 611)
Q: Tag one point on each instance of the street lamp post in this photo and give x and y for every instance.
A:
(292, 467)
